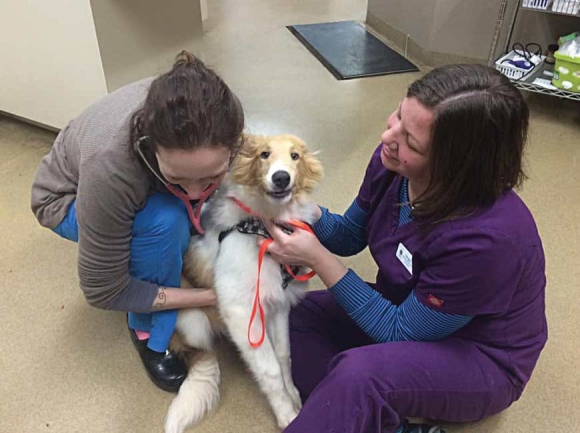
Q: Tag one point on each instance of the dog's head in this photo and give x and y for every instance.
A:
(279, 166)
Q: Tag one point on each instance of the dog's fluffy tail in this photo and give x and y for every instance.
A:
(198, 395)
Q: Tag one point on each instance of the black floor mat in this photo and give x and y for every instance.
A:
(348, 50)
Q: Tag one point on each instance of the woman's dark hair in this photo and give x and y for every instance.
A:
(478, 137)
(189, 107)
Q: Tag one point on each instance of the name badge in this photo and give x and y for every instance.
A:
(405, 257)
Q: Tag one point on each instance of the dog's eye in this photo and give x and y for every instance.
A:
(294, 156)
(264, 155)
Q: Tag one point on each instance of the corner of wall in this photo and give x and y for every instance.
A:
(415, 52)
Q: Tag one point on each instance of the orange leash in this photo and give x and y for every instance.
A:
(310, 274)
(257, 301)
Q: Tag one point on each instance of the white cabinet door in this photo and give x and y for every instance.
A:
(50, 65)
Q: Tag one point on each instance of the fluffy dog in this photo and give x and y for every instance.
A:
(271, 178)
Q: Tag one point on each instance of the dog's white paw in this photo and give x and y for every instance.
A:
(295, 395)
(285, 418)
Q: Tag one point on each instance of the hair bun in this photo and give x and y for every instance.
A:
(184, 58)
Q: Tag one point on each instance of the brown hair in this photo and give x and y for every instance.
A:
(189, 107)
(477, 140)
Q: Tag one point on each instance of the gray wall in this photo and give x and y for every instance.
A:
(439, 29)
(139, 38)
(414, 17)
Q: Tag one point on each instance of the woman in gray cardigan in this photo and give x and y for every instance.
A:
(125, 180)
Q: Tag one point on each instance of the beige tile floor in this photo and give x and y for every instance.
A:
(66, 367)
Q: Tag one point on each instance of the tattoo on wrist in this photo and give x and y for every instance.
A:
(160, 300)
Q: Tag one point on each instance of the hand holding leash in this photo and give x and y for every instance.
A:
(299, 248)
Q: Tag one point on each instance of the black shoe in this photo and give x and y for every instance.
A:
(166, 370)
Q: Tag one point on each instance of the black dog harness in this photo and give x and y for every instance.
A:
(254, 226)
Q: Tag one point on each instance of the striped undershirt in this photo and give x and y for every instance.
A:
(345, 235)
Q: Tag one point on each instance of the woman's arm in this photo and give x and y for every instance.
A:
(343, 235)
(169, 298)
(304, 249)
(105, 213)
(383, 321)
(377, 316)
(106, 207)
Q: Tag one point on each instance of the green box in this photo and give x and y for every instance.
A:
(567, 73)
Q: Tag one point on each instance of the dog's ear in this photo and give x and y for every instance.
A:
(249, 145)
(311, 171)
(245, 165)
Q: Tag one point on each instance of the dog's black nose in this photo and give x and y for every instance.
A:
(281, 179)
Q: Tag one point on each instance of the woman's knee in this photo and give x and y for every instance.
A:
(355, 368)
(68, 228)
(173, 226)
(165, 217)
(318, 308)
(447, 380)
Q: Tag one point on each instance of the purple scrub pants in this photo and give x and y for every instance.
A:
(350, 385)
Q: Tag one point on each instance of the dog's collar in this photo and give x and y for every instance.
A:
(257, 219)
(243, 207)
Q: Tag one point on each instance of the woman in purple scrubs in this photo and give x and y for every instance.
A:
(453, 325)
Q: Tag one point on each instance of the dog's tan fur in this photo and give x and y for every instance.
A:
(249, 169)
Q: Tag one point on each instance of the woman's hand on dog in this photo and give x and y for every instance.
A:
(299, 248)
(304, 249)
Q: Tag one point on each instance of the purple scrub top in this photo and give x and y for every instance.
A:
(489, 265)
